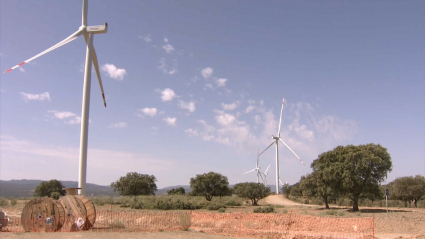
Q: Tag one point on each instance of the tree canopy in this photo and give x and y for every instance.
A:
(253, 191)
(176, 191)
(210, 185)
(46, 188)
(408, 189)
(315, 184)
(354, 171)
(135, 184)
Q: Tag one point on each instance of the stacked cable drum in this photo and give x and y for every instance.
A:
(43, 214)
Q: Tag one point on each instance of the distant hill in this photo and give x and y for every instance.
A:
(25, 188)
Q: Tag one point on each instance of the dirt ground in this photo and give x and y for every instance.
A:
(400, 223)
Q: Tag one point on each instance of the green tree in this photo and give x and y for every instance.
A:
(408, 189)
(295, 190)
(46, 188)
(354, 171)
(135, 184)
(286, 190)
(176, 191)
(253, 191)
(210, 185)
(315, 185)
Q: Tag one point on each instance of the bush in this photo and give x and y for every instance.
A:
(13, 201)
(3, 202)
(221, 210)
(264, 210)
(214, 206)
(55, 195)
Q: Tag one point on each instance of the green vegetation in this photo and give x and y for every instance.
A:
(13, 201)
(135, 184)
(268, 209)
(210, 185)
(408, 189)
(354, 172)
(3, 202)
(174, 202)
(176, 191)
(46, 188)
(253, 191)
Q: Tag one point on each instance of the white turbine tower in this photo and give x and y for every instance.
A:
(277, 138)
(91, 57)
(257, 168)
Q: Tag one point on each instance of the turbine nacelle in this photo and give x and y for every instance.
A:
(100, 29)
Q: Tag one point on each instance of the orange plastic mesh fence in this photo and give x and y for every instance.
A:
(231, 224)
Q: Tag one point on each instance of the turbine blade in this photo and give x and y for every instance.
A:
(280, 119)
(267, 148)
(292, 151)
(261, 176)
(281, 182)
(63, 42)
(258, 155)
(265, 173)
(249, 171)
(96, 67)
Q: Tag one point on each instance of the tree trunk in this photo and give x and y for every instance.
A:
(326, 202)
(355, 203)
(405, 203)
(208, 197)
(414, 202)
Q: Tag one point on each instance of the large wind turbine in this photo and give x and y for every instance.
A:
(88, 33)
(277, 138)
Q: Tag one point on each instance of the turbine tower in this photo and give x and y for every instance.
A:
(88, 32)
(277, 138)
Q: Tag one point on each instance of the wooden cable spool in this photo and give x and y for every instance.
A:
(75, 213)
(91, 211)
(43, 214)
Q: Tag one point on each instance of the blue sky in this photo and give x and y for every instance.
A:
(196, 86)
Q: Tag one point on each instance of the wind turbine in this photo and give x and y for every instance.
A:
(257, 168)
(265, 176)
(91, 57)
(277, 138)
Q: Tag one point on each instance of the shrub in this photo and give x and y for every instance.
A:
(3, 202)
(264, 210)
(55, 195)
(215, 206)
(13, 201)
(221, 210)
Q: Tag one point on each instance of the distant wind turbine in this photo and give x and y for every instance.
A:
(277, 138)
(257, 168)
(88, 33)
(265, 176)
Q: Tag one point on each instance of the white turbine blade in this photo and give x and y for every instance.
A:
(96, 67)
(63, 42)
(265, 173)
(249, 171)
(281, 182)
(280, 119)
(267, 148)
(292, 151)
(258, 155)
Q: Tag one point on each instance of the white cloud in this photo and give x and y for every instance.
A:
(173, 71)
(230, 107)
(114, 72)
(221, 82)
(68, 117)
(149, 111)
(170, 121)
(21, 69)
(209, 86)
(187, 105)
(191, 132)
(168, 48)
(163, 66)
(165, 40)
(249, 109)
(147, 38)
(167, 94)
(39, 97)
(335, 127)
(118, 125)
(225, 119)
(207, 72)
